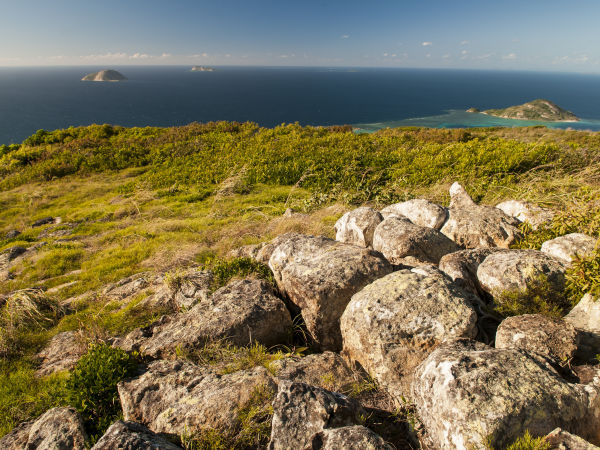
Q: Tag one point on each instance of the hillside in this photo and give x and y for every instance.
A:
(539, 109)
(105, 75)
(152, 246)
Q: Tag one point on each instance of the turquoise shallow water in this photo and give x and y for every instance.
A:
(463, 119)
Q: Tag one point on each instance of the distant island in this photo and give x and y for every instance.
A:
(539, 109)
(202, 69)
(104, 75)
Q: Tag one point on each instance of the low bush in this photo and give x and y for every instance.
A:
(224, 270)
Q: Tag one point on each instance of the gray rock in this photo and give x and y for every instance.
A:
(17, 438)
(475, 226)
(8, 258)
(300, 411)
(132, 436)
(58, 428)
(355, 437)
(398, 238)
(419, 211)
(62, 353)
(246, 251)
(12, 234)
(560, 439)
(466, 392)
(42, 221)
(585, 316)
(265, 252)
(319, 276)
(194, 287)
(176, 396)
(395, 322)
(240, 313)
(567, 247)
(526, 212)
(357, 226)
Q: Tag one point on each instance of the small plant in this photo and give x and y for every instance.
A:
(527, 442)
(225, 270)
(367, 384)
(584, 277)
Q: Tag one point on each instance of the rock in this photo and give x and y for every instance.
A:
(300, 411)
(247, 251)
(62, 353)
(526, 212)
(585, 316)
(355, 437)
(42, 221)
(466, 392)
(419, 211)
(240, 313)
(12, 234)
(515, 270)
(129, 288)
(17, 438)
(265, 252)
(7, 259)
(552, 338)
(58, 428)
(398, 238)
(563, 440)
(319, 276)
(193, 287)
(475, 226)
(132, 436)
(395, 322)
(567, 247)
(357, 226)
(176, 396)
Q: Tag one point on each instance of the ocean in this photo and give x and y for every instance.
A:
(50, 98)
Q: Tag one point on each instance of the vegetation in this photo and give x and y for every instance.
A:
(527, 442)
(539, 109)
(226, 269)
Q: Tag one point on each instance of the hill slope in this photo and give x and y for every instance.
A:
(539, 109)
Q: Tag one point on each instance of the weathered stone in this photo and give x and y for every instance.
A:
(42, 221)
(567, 247)
(246, 251)
(194, 287)
(357, 226)
(8, 258)
(585, 316)
(395, 322)
(265, 252)
(320, 275)
(553, 338)
(355, 437)
(17, 438)
(526, 212)
(58, 428)
(418, 211)
(475, 226)
(466, 392)
(398, 238)
(560, 439)
(12, 234)
(132, 436)
(176, 396)
(242, 312)
(62, 353)
(300, 411)
(515, 270)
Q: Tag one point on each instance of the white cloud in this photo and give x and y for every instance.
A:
(386, 54)
(105, 56)
(464, 43)
(140, 56)
(166, 55)
(428, 55)
(464, 52)
(345, 36)
(426, 44)
(446, 56)
(510, 56)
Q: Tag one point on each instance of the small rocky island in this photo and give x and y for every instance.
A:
(539, 109)
(202, 69)
(105, 75)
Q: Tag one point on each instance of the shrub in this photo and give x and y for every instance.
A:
(225, 270)
(527, 442)
(584, 277)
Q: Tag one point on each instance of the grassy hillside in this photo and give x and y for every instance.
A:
(539, 109)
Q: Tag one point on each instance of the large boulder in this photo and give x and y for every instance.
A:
(357, 226)
(468, 394)
(395, 322)
(176, 396)
(569, 246)
(398, 239)
(300, 411)
(418, 211)
(132, 436)
(319, 276)
(526, 212)
(475, 226)
(58, 428)
(563, 440)
(354, 437)
(264, 253)
(240, 313)
(62, 353)
(585, 317)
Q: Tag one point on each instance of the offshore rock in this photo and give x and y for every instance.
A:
(357, 226)
(567, 247)
(527, 212)
(58, 428)
(419, 211)
(319, 276)
(132, 436)
(355, 437)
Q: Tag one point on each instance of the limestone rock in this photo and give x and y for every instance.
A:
(17, 438)
(58, 428)
(466, 391)
(62, 353)
(357, 226)
(132, 436)
(526, 212)
(398, 238)
(419, 211)
(355, 437)
(514, 271)
(563, 440)
(300, 411)
(535, 333)
(566, 247)
(194, 287)
(242, 312)
(395, 322)
(177, 396)
(475, 226)
(585, 316)
(319, 276)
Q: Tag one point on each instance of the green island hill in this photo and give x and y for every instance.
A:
(539, 109)
(202, 69)
(105, 75)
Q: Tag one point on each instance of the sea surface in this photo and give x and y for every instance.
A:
(50, 98)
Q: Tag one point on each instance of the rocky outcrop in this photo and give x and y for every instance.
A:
(419, 211)
(8, 257)
(467, 393)
(17, 438)
(43, 221)
(585, 317)
(394, 323)
(354, 437)
(357, 226)
(264, 253)
(132, 436)
(62, 353)
(400, 240)
(319, 276)
(570, 246)
(58, 428)
(534, 215)
(193, 287)
(563, 440)
(475, 226)
(128, 289)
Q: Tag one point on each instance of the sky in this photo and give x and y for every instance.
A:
(545, 35)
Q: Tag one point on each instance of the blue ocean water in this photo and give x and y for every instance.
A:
(50, 98)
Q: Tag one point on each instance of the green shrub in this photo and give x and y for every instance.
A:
(584, 277)
(527, 442)
(225, 270)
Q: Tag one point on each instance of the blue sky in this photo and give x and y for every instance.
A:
(544, 35)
